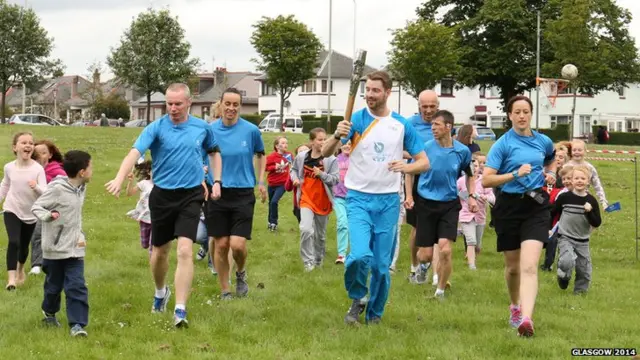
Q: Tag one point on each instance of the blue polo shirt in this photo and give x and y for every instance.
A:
(422, 127)
(439, 183)
(512, 151)
(176, 151)
(238, 143)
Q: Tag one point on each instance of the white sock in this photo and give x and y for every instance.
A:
(160, 294)
(413, 268)
(180, 307)
(439, 292)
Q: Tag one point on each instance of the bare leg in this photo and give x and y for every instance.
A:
(184, 270)
(413, 248)
(529, 258)
(512, 275)
(21, 276)
(445, 265)
(160, 264)
(239, 249)
(220, 250)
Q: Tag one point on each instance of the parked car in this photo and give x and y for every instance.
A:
(112, 123)
(33, 119)
(273, 123)
(136, 123)
(485, 133)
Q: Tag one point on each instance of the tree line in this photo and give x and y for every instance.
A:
(486, 43)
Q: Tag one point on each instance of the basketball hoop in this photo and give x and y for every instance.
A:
(551, 88)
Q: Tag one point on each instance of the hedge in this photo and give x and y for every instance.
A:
(618, 138)
(310, 122)
(253, 118)
(559, 133)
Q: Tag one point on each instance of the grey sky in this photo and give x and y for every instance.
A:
(84, 30)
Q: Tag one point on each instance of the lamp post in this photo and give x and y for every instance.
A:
(329, 69)
(538, 74)
(354, 30)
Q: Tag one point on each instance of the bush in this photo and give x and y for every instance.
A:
(559, 133)
(253, 118)
(310, 122)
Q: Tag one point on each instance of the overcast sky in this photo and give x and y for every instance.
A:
(84, 30)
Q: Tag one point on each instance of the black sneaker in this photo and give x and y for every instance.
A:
(563, 282)
(353, 315)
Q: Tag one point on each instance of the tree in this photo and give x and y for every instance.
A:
(499, 42)
(422, 54)
(93, 92)
(25, 48)
(153, 54)
(288, 54)
(113, 106)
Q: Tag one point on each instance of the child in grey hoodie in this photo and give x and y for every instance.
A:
(63, 242)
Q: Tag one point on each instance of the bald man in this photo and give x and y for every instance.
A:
(428, 104)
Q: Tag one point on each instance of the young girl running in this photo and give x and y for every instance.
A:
(340, 203)
(24, 180)
(290, 187)
(578, 150)
(278, 167)
(473, 224)
(49, 156)
(141, 213)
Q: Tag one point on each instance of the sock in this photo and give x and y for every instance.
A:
(513, 306)
(160, 294)
(439, 291)
(180, 307)
(413, 268)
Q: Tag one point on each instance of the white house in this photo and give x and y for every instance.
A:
(616, 110)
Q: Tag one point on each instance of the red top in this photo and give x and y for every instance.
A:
(278, 176)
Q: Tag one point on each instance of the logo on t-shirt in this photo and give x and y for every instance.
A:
(379, 155)
(243, 143)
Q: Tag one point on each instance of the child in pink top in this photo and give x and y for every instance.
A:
(473, 224)
(49, 156)
(24, 180)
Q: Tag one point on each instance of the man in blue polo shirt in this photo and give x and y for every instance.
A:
(176, 141)
(437, 204)
(429, 104)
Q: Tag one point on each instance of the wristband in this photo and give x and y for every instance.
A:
(218, 182)
(550, 173)
(336, 136)
(261, 183)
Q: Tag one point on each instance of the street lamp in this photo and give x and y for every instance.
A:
(329, 69)
(354, 30)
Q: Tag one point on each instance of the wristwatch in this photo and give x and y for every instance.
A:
(336, 136)
(515, 174)
(218, 182)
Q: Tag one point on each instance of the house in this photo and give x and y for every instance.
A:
(312, 97)
(70, 96)
(206, 93)
(478, 105)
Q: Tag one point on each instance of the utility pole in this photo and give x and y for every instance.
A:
(538, 75)
(329, 77)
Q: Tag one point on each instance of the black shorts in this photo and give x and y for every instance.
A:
(232, 214)
(411, 213)
(174, 213)
(436, 220)
(518, 217)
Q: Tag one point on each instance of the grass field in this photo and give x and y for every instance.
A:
(299, 315)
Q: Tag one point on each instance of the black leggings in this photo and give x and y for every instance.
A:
(19, 234)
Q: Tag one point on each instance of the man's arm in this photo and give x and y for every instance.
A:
(332, 144)
(419, 165)
(127, 164)
(215, 159)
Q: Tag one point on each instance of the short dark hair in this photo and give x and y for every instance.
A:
(446, 116)
(315, 131)
(74, 161)
(381, 76)
(518, 98)
(231, 90)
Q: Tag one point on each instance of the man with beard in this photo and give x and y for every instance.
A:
(378, 137)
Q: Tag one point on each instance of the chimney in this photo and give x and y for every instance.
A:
(96, 78)
(219, 75)
(74, 86)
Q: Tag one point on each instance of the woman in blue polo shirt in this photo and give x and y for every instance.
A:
(230, 218)
(521, 163)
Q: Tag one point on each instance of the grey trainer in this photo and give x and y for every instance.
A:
(353, 315)
(242, 288)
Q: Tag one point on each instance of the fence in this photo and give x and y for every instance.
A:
(633, 160)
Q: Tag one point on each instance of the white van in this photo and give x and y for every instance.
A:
(273, 123)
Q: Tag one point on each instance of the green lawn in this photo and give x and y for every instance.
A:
(300, 315)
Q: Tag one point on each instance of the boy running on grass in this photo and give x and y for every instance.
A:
(63, 243)
(579, 212)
